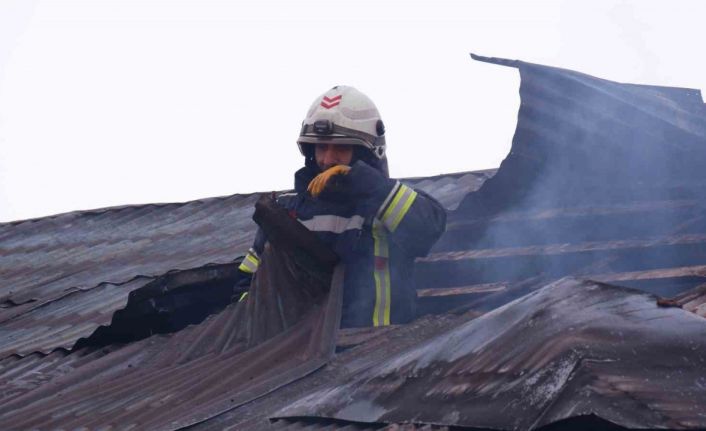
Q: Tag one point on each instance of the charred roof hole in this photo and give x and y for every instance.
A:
(168, 304)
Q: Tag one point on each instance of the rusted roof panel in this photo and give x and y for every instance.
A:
(171, 382)
(604, 180)
(42, 259)
(572, 348)
(165, 382)
(377, 345)
(80, 250)
(59, 323)
(19, 375)
(65, 275)
(586, 141)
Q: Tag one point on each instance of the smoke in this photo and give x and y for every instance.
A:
(602, 178)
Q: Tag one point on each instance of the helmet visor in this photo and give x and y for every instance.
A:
(334, 140)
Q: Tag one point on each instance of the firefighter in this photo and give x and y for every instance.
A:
(376, 225)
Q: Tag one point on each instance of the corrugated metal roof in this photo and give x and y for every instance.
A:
(43, 258)
(572, 348)
(604, 180)
(59, 323)
(66, 275)
(376, 347)
(19, 375)
(450, 190)
(586, 141)
(174, 381)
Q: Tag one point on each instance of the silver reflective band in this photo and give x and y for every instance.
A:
(332, 223)
(387, 200)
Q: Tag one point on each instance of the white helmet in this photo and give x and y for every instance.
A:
(344, 115)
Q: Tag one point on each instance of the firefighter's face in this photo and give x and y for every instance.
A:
(329, 155)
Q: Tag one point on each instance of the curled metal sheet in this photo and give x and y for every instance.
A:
(574, 348)
(586, 141)
(604, 179)
(60, 323)
(283, 331)
(66, 275)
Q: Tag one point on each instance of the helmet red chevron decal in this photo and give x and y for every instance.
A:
(330, 102)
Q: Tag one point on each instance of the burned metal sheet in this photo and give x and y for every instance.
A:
(41, 259)
(564, 137)
(19, 375)
(361, 348)
(60, 323)
(573, 348)
(66, 275)
(584, 140)
(118, 313)
(285, 330)
(602, 178)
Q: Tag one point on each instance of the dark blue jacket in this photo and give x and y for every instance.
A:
(377, 226)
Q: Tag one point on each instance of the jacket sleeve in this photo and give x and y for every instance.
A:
(251, 261)
(413, 219)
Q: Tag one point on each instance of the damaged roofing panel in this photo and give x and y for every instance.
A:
(41, 259)
(362, 347)
(585, 141)
(60, 323)
(19, 375)
(169, 382)
(66, 275)
(121, 313)
(248, 350)
(602, 178)
(552, 200)
(573, 348)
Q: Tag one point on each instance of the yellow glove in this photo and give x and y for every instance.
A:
(318, 184)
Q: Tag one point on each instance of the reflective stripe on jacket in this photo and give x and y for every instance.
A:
(378, 226)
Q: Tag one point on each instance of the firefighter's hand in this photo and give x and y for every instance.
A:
(318, 184)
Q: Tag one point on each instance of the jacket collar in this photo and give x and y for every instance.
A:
(302, 178)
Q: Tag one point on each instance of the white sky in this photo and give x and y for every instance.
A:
(110, 102)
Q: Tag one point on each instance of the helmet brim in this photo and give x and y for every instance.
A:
(334, 140)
